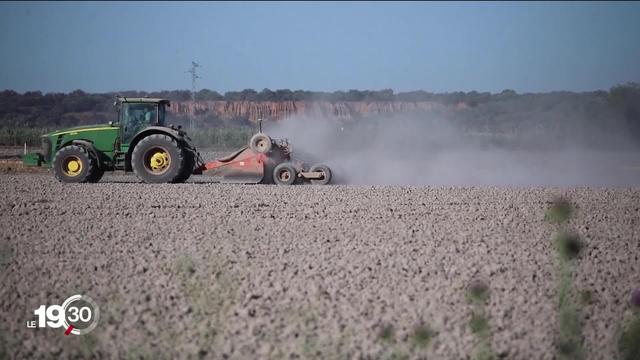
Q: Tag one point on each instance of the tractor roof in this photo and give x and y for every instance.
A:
(125, 99)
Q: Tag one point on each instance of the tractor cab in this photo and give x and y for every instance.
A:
(136, 114)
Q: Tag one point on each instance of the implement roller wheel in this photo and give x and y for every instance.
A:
(326, 175)
(260, 143)
(285, 174)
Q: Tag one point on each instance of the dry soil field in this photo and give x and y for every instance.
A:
(231, 271)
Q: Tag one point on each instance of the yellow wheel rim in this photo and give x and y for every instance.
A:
(72, 166)
(159, 161)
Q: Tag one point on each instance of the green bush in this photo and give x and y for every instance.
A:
(19, 136)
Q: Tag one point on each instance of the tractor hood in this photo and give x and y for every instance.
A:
(81, 129)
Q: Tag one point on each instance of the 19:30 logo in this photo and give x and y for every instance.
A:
(78, 315)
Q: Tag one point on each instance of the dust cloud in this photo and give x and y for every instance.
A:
(415, 150)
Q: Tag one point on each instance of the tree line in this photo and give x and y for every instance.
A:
(35, 109)
(24, 115)
(82, 101)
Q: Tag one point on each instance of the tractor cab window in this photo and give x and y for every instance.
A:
(135, 117)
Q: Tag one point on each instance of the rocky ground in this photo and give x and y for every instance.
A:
(231, 271)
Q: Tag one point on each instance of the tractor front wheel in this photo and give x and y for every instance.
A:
(158, 158)
(74, 164)
(97, 175)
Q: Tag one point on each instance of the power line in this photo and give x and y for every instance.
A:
(194, 77)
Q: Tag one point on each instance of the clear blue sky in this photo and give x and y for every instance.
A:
(438, 47)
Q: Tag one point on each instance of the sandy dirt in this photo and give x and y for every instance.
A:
(231, 271)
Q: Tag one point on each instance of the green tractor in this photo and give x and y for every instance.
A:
(139, 141)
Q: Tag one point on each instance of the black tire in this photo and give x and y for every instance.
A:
(189, 164)
(326, 178)
(98, 172)
(285, 174)
(74, 164)
(97, 175)
(260, 143)
(168, 158)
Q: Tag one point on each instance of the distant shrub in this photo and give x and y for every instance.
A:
(19, 136)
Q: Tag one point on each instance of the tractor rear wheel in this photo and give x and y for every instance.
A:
(158, 158)
(285, 174)
(190, 163)
(74, 164)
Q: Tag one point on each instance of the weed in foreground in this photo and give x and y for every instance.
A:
(185, 265)
(586, 297)
(422, 335)
(629, 341)
(568, 245)
(479, 324)
(569, 341)
(559, 212)
(387, 333)
(478, 292)
(478, 296)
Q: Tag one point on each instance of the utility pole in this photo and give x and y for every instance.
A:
(194, 76)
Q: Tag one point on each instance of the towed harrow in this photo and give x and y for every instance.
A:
(266, 161)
